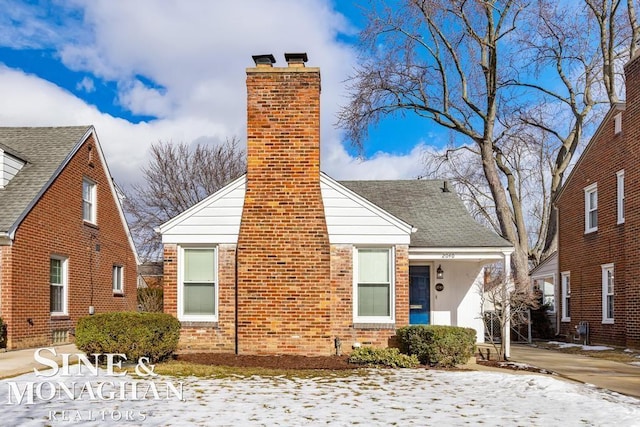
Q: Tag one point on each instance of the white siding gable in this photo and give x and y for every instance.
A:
(352, 219)
(215, 219)
(9, 167)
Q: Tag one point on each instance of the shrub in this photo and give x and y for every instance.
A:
(2, 332)
(434, 345)
(151, 300)
(390, 357)
(152, 335)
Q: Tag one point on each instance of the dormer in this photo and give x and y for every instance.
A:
(10, 165)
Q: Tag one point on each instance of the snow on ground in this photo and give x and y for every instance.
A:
(372, 397)
(584, 347)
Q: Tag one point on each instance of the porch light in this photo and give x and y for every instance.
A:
(440, 272)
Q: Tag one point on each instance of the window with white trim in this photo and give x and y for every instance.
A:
(118, 279)
(58, 285)
(607, 293)
(617, 123)
(620, 194)
(591, 208)
(373, 294)
(566, 296)
(546, 286)
(198, 288)
(89, 201)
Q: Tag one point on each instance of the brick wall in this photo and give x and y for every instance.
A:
(55, 227)
(283, 246)
(583, 254)
(631, 133)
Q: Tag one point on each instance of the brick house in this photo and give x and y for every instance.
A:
(286, 260)
(599, 225)
(65, 248)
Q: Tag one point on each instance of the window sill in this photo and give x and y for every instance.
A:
(118, 294)
(91, 224)
(374, 326)
(56, 317)
(566, 319)
(607, 321)
(591, 231)
(199, 324)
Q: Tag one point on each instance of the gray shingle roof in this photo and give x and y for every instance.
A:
(441, 218)
(45, 149)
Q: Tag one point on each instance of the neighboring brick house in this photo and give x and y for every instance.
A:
(65, 248)
(287, 260)
(599, 228)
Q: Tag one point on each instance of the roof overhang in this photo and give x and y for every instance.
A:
(5, 239)
(489, 254)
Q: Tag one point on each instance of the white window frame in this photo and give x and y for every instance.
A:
(91, 215)
(65, 285)
(200, 317)
(565, 279)
(538, 279)
(617, 123)
(392, 287)
(588, 208)
(620, 195)
(118, 279)
(608, 290)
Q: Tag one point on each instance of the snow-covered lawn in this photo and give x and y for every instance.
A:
(372, 397)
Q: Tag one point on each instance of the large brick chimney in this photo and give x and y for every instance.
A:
(283, 247)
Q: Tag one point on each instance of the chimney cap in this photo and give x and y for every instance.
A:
(296, 57)
(262, 60)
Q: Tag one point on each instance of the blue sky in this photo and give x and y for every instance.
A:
(173, 70)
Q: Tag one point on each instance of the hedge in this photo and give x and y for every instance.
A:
(390, 357)
(152, 335)
(436, 345)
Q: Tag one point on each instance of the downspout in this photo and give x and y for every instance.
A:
(235, 312)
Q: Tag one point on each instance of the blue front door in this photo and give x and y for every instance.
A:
(419, 301)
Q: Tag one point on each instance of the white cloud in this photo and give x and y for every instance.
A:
(194, 55)
(86, 85)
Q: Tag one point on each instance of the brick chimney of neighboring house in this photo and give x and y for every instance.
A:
(283, 247)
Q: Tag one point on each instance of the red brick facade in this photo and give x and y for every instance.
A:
(293, 293)
(583, 254)
(55, 227)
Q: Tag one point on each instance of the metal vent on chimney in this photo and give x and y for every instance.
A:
(264, 60)
(296, 59)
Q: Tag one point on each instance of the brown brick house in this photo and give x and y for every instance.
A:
(599, 226)
(287, 260)
(65, 248)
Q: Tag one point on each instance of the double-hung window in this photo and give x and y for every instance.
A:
(607, 293)
(566, 296)
(118, 279)
(620, 193)
(198, 296)
(374, 285)
(546, 285)
(591, 208)
(58, 285)
(89, 201)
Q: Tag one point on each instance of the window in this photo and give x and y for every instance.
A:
(607, 293)
(547, 290)
(591, 208)
(197, 297)
(89, 201)
(373, 293)
(566, 296)
(118, 287)
(617, 123)
(620, 198)
(58, 285)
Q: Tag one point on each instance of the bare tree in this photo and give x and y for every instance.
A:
(178, 176)
(518, 84)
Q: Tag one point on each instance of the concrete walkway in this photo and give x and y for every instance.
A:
(17, 362)
(615, 376)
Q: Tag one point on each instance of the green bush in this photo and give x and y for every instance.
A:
(152, 335)
(390, 357)
(434, 345)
